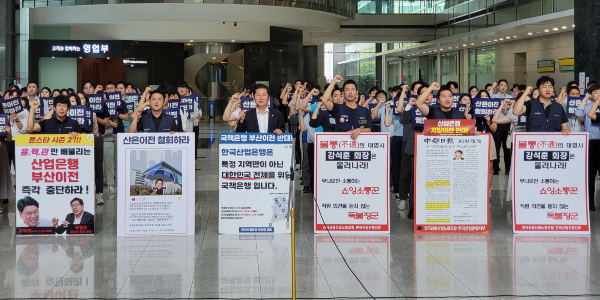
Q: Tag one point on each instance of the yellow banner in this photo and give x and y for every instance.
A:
(53, 140)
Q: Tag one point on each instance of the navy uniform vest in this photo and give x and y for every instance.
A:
(54, 126)
(456, 114)
(344, 123)
(166, 123)
(537, 121)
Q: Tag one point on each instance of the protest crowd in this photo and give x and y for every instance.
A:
(303, 108)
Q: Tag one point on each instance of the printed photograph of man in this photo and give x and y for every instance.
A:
(29, 211)
(158, 187)
(458, 155)
(77, 217)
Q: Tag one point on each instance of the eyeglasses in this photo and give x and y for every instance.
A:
(35, 212)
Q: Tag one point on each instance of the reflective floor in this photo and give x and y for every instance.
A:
(208, 265)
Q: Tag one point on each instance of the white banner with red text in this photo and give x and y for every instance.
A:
(550, 183)
(352, 183)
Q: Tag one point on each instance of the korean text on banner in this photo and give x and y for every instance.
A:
(156, 194)
(451, 178)
(550, 180)
(254, 182)
(55, 190)
(352, 183)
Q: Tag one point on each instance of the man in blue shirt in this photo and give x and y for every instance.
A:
(587, 111)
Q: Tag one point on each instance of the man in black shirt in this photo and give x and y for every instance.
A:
(543, 114)
(349, 117)
(58, 124)
(157, 121)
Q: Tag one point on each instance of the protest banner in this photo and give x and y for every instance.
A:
(248, 103)
(4, 121)
(351, 183)
(451, 177)
(55, 189)
(155, 193)
(96, 102)
(81, 114)
(254, 182)
(485, 106)
(47, 104)
(12, 106)
(550, 183)
(572, 104)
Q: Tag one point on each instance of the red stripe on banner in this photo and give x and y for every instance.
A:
(452, 228)
(554, 227)
(352, 227)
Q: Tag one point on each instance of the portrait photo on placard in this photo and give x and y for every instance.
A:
(155, 172)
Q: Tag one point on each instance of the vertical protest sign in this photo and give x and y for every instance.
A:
(351, 183)
(80, 114)
(155, 193)
(4, 121)
(254, 182)
(54, 183)
(96, 102)
(451, 178)
(550, 183)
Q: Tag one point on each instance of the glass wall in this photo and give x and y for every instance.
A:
(393, 72)
(449, 67)
(432, 69)
(354, 61)
(482, 66)
(409, 70)
(400, 6)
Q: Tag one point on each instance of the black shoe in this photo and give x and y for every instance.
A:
(410, 214)
(592, 207)
(496, 172)
(5, 201)
(306, 190)
(507, 172)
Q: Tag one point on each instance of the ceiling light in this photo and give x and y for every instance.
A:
(80, 57)
(435, 50)
(464, 45)
(573, 25)
(429, 51)
(449, 47)
(508, 37)
(538, 32)
(191, 41)
(564, 27)
(489, 41)
(530, 33)
(107, 57)
(514, 36)
(233, 41)
(472, 44)
(495, 40)
(483, 42)
(555, 28)
(214, 57)
(501, 39)
(441, 49)
(546, 30)
(53, 57)
(189, 44)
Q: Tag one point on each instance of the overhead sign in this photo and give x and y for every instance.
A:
(134, 61)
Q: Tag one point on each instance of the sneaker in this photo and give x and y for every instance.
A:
(403, 205)
(410, 214)
(99, 199)
(111, 189)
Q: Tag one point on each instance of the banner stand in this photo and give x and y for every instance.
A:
(451, 178)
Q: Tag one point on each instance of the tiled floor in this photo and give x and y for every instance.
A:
(497, 265)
